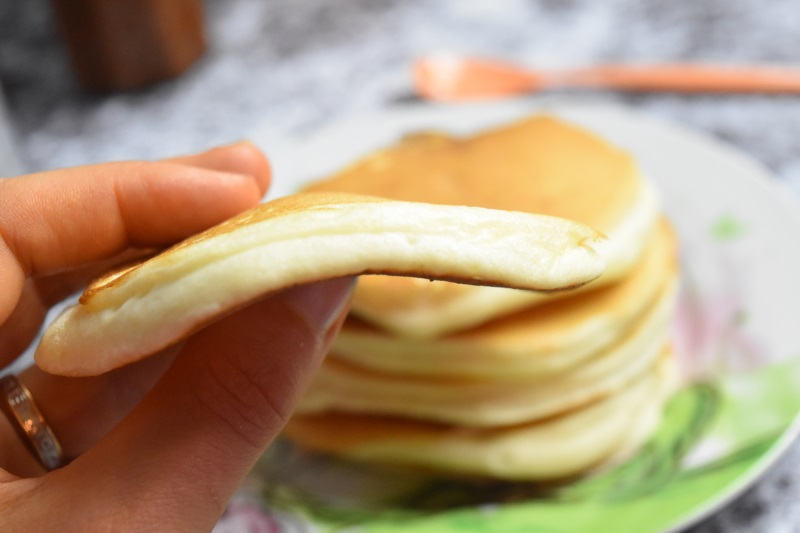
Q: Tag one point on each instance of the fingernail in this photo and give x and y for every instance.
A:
(234, 144)
(233, 176)
(321, 303)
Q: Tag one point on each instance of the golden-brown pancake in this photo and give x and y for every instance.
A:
(552, 448)
(540, 165)
(299, 239)
(532, 344)
(344, 387)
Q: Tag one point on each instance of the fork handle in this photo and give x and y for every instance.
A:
(686, 78)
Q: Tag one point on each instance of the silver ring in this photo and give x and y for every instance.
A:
(18, 405)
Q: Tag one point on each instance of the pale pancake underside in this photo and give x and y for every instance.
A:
(409, 308)
(489, 403)
(557, 447)
(301, 239)
(532, 344)
(540, 165)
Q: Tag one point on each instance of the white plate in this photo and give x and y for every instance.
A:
(737, 227)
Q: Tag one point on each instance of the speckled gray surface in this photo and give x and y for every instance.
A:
(297, 64)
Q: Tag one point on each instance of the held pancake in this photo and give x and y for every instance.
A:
(532, 344)
(303, 238)
(540, 165)
(559, 447)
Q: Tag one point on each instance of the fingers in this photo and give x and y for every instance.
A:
(184, 450)
(82, 410)
(79, 410)
(64, 218)
(55, 220)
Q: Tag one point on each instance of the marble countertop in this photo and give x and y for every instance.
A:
(295, 65)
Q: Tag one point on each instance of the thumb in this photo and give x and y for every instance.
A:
(175, 461)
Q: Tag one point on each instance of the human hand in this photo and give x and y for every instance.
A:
(160, 444)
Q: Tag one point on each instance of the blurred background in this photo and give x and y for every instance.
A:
(290, 66)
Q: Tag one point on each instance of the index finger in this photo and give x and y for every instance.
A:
(60, 219)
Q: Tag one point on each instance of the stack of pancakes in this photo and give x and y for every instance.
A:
(498, 382)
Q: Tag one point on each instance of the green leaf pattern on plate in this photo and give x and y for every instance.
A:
(727, 227)
(703, 446)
